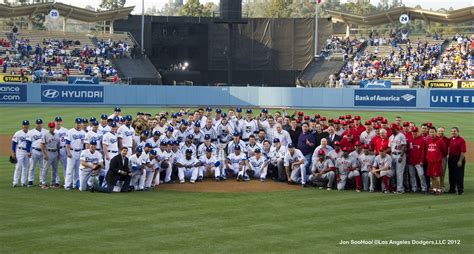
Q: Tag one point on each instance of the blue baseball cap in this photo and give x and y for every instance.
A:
(170, 142)
(290, 145)
(117, 109)
(148, 145)
(184, 122)
(224, 115)
(84, 120)
(197, 124)
(207, 137)
(128, 118)
(189, 151)
(39, 121)
(237, 148)
(238, 110)
(170, 129)
(139, 149)
(25, 122)
(95, 123)
(78, 120)
(174, 115)
(236, 134)
(113, 124)
(163, 143)
(208, 109)
(249, 111)
(58, 119)
(153, 152)
(103, 117)
(176, 142)
(93, 143)
(218, 111)
(145, 132)
(190, 136)
(157, 133)
(264, 110)
(276, 140)
(258, 150)
(209, 149)
(92, 119)
(140, 113)
(116, 119)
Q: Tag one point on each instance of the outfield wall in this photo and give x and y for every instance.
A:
(162, 96)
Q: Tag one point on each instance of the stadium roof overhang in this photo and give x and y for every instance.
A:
(65, 10)
(392, 16)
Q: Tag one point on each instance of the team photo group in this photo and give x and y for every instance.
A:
(121, 153)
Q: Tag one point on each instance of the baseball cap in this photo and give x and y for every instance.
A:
(331, 120)
(336, 121)
(365, 146)
(184, 122)
(207, 137)
(218, 110)
(336, 143)
(348, 116)
(384, 121)
(51, 125)
(258, 150)
(95, 123)
(176, 142)
(290, 145)
(170, 129)
(58, 119)
(139, 149)
(153, 152)
(377, 126)
(236, 134)
(209, 149)
(145, 132)
(265, 110)
(406, 124)
(39, 121)
(429, 124)
(190, 136)
(139, 113)
(317, 116)
(117, 119)
(78, 120)
(174, 115)
(394, 126)
(238, 110)
(306, 118)
(313, 120)
(321, 152)
(357, 143)
(323, 118)
(197, 124)
(157, 133)
(276, 140)
(117, 109)
(103, 117)
(346, 149)
(249, 111)
(93, 143)
(237, 148)
(341, 118)
(414, 129)
(92, 119)
(128, 118)
(208, 109)
(84, 120)
(163, 143)
(189, 151)
(113, 124)
(224, 115)
(368, 123)
(169, 142)
(356, 117)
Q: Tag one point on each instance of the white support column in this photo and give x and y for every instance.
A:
(348, 30)
(64, 24)
(30, 24)
(111, 27)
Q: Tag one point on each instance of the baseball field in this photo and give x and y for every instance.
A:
(228, 216)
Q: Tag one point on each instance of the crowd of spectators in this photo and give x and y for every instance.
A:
(347, 46)
(55, 59)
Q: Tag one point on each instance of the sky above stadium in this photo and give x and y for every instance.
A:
(427, 4)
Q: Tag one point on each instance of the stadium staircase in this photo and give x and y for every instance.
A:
(316, 72)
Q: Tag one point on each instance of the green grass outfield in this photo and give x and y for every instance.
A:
(301, 221)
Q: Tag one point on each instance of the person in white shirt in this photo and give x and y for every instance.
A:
(125, 135)
(366, 161)
(110, 148)
(277, 160)
(151, 179)
(282, 135)
(347, 169)
(167, 159)
(74, 145)
(62, 133)
(188, 167)
(20, 154)
(188, 144)
(33, 149)
(104, 126)
(136, 163)
(249, 126)
(235, 142)
(208, 129)
(204, 146)
(398, 147)
(50, 149)
(94, 135)
(322, 171)
(258, 166)
(252, 146)
(367, 135)
(210, 166)
(382, 168)
(236, 163)
(91, 164)
(294, 165)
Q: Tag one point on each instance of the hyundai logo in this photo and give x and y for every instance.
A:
(51, 93)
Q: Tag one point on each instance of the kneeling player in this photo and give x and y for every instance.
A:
(91, 163)
(236, 164)
(382, 168)
(294, 166)
(322, 171)
(188, 167)
(258, 166)
(209, 165)
(347, 169)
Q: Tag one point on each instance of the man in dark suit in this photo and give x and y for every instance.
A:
(118, 171)
(332, 136)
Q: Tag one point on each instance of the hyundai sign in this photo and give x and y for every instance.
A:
(385, 98)
(78, 94)
(452, 98)
(13, 93)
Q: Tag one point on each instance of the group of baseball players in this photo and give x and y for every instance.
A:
(190, 145)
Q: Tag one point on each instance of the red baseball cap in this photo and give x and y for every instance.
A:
(429, 124)
(414, 129)
(298, 120)
(321, 152)
(394, 126)
(341, 118)
(377, 126)
(357, 143)
(356, 117)
(337, 121)
(323, 118)
(406, 124)
(368, 123)
(301, 113)
(51, 125)
(348, 116)
(336, 142)
(306, 118)
(317, 116)
(331, 120)
(384, 121)
(379, 117)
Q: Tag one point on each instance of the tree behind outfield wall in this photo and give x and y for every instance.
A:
(194, 8)
(112, 4)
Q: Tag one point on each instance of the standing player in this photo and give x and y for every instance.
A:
(294, 166)
(258, 166)
(416, 158)
(62, 133)
(50, 149)
(110, 146)
(322, 171)
(367, 135)
(398, 145)
(74, 146)
(94, 135)
(435, 149)
(125, 135)
(249, 126)
(366, 161)
(91, 164)
(33, 147)
(20, 154)
(103, 127)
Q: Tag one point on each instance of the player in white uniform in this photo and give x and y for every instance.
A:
(322, 171)
(336, 153)
(74, 145)
(50, 149)
(366, 161)
(125, 135)
(19, 152)
(181, 133)
(136, 163)
(382, 168)
(188, 144)
(235, 142)
(91, 164)
(347, 169)
(258, 166)
(367, 135)
(167, 159)
(94, 135)
(249, 126)
(236, 164)
(398, 146)
(294, 165)
(62, 133)
(210, 166)
(188, 167)
(198, 135)
(104, 126)
(152, 165)
(277, 160)
(33, 147)
(208, 129)
(155, 140)
(204, 146)
(169, 135)
(110, 147)
(252, 146)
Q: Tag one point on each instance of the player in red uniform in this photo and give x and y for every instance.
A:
(382, 141)
(444, 165)
(416, 158)
(435, 148)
